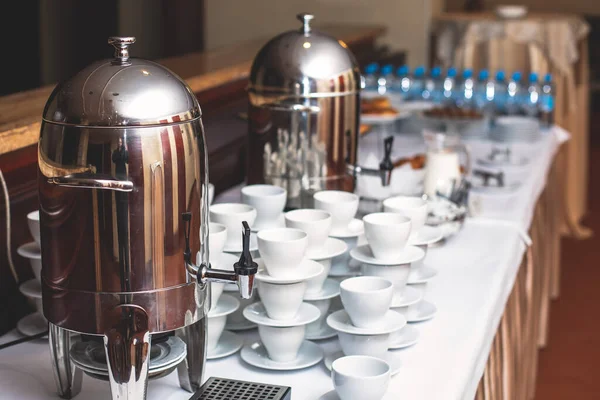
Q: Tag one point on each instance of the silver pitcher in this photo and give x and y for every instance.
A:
(123, 191)
(304, 110)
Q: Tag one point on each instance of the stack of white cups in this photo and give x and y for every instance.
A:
(220, 342)
(282, 316)
(319, 290)
(366, 323)
(422, 236)
(34, 323)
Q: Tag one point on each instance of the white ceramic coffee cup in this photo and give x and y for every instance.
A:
(366, 299)
(217, 318)
(323, 306)
(232, 215)
(387, 234)
(217, 236)
(32, 252)
(397, 274)
(269, 202)
(33, 222)
(282, 301)
(360, 377)
(412, 207)
(314, 285)
(32, 290)
(364, 345)
(224, 262)
(237, 317)
(282, 250)
(341, 205)
(316, 224)
(282, 343)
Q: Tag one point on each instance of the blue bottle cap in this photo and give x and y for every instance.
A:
(420, 71)
(387, 69)
(516, 76)
(467, 73)
(402, 70)
(500, 76)
(548, 78)
(483, 75)
(533, 77)
(372, 68)
(452, 72)
(436, 72)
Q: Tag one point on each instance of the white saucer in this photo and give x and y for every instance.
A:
(332, 248)
(330, 289)
(332, 395)
(307, 269)
(280, 223)
(256, 355)
(421, 274)
(31, 288)
(422, 311)
(237, 248)
(326, 332)
(30, 250)
(426, 236)
(408, 297)
(256, 313)
(340, 321)
(355, 228)
(240, 326)
(404, 337)
(226, 305)
(409, 255)
(393, 359)
(32, 324)
(229, 343)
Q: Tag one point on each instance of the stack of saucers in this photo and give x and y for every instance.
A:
(282, 316)
(342, 206)
(514, 128)
(421, 236)
(366, 323)
(33, 323)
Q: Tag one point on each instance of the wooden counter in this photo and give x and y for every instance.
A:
(20, 113)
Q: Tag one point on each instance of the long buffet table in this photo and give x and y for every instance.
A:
(496, 276)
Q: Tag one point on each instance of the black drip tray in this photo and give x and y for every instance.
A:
(231, 389)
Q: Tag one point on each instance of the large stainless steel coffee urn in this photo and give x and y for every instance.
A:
(123, 212)
(304, 110)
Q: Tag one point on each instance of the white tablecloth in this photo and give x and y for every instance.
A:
(477, 268)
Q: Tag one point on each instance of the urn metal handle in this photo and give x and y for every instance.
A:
(95, 181)
(121, 45)
(305, 18)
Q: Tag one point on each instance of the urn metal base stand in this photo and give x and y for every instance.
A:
(127, 360)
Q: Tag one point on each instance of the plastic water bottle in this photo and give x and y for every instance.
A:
(467, 87)
(532, 97)
(546, 102)
(418, 83)
(403, 82)
(432, 89)
(386, 79)
(370, 77)
(500, 93)
(449, 87)
(514, 94)
(485, 93)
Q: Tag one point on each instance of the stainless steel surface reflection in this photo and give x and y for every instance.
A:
(303, 112)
